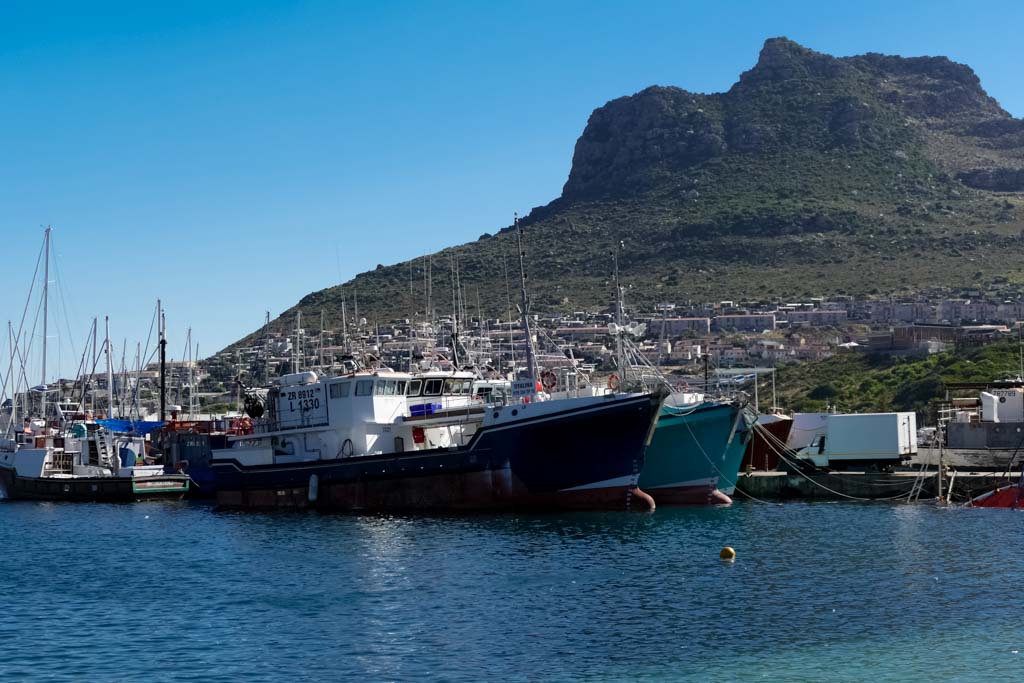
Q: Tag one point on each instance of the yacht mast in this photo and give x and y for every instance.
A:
(46, 304)
(110, 370)
(531, 361)
(14, 385)
(162, 323)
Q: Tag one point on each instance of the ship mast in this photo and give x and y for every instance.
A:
(620, 356)
(531, 360)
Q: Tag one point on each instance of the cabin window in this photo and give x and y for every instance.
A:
(400, 391)
(451, 387)
(390, 387)
(340, 390)
(467, 386)
(364, 387)
(414, 387)
(433, 387)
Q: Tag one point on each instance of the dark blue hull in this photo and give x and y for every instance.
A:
(579, 457)
(189, 453)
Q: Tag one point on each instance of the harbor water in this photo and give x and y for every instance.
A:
(819, 592)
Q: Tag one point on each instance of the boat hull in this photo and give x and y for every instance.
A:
(762, 452)
(573, 458)
(1011, 497)
(92, 489)
(691, 457)
(189, 453)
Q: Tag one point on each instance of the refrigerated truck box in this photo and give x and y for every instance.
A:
(865, 439)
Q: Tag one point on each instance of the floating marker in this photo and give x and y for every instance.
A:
(727, 554)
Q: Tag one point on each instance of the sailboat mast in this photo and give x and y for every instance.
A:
(531, 361)
(162, 323)
(110, 369)
(46, 306)
(14, 384)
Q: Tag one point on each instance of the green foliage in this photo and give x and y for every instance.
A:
(857, 382)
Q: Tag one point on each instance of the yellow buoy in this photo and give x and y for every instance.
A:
(727, 554)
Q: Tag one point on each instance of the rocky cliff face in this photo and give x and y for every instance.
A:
(795, 99)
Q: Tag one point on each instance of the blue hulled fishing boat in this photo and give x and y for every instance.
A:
(389, 441)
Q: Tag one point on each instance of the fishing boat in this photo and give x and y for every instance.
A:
(763, 447)
(186, 447)
(983, 432)
(101, 461)
(381, 440)
(698, 442)
(695, 454)
(385, 440)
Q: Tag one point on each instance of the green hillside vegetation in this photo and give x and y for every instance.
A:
(812, 175)
(860, 382)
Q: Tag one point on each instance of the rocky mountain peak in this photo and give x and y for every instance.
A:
(782, 59)
(797, 101)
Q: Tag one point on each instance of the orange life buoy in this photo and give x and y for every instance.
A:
(613, 381)
(549, 380)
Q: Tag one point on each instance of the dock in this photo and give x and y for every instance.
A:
(866, 485)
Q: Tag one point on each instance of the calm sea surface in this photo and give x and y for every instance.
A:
(819, 592)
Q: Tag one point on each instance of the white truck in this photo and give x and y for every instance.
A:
(868, 440)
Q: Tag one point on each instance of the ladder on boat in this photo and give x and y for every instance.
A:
(103, 455)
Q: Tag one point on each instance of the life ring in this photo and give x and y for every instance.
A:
(549, 380)
(613, 382)
(682, 386)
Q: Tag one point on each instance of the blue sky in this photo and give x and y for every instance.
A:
(231, 157)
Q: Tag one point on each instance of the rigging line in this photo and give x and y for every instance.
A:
(732, 482)
(28, 299)
(59, 279)
(798, 470)
(80, 372)
(149, 337)
(775, 443)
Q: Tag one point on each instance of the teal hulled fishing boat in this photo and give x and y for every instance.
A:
(695, 454)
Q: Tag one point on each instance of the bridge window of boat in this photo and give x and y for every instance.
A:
(433, 387)
(414, 387)
(457, 386)
(364, 387)
(341, 389)
(387, 388)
